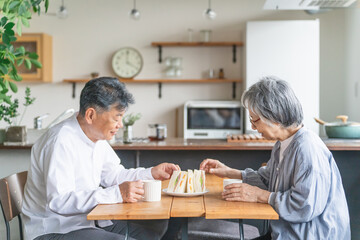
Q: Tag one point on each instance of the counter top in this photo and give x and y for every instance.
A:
(197, 144)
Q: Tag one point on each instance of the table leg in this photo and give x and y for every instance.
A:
(184, 229)
(265, 227)
(241, 229)
(127, 230)
(137, 159)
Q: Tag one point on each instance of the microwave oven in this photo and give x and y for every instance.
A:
(212, 119)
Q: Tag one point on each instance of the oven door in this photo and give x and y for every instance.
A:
(214, 120)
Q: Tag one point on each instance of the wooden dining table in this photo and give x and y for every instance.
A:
(209, 205)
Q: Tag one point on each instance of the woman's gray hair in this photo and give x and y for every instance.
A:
(273, 100)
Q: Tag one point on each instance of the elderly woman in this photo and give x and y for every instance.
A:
(301, 181)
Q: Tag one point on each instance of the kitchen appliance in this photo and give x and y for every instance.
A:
(211, 119)
(343, 129)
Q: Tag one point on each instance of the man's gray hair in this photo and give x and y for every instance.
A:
(103, 93)
(273, 100)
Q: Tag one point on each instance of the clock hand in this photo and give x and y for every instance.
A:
(132, 65)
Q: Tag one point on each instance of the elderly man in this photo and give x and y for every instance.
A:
(301, 180)
(73, 168)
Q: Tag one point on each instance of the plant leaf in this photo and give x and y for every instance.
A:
(27, 64)
(13, 87)
(36, 63)
(9, 25)
(19, 28)
(13, 4)
(20, 61)
(3, 21)
(33, 55)
(6, 38)
(25, 22)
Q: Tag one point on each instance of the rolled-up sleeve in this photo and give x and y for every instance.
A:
(259, 178)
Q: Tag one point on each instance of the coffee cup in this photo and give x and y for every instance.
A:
(230, 181)
(152, 190)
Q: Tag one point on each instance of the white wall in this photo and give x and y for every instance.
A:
(86, 40)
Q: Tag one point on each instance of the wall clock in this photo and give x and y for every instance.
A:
(127, 62)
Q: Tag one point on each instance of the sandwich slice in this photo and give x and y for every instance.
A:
(190, 182)
(199, 180)
(181, 184)
(173, 181)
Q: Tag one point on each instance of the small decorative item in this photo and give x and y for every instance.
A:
(190, 35)
(221, 73)
(173, 66)
(9, 111)
(94, 74)
(128, 122)
(206, 35)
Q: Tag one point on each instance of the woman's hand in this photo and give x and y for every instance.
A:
(164, 171)
(215, 167)
(245, 193)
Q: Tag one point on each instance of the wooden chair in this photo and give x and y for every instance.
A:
(11, 197)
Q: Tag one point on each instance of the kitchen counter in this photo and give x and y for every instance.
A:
(197, 144)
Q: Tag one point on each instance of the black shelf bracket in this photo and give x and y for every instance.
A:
(234, 90)
(73, 89)
(160, 86)
(160, 53)
(234, 53)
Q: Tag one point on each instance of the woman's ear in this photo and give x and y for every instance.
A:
(90, 115)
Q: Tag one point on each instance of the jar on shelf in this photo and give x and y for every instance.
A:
(157, 131)
(221, 73)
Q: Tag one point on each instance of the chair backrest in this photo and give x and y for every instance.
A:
(12, 194)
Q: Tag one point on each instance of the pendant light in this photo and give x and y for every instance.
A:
(134, 13)
(209, 13)
(62, 12)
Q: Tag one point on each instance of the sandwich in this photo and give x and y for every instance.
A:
(190, 182)
(173, 181)
(199, 180)
(181, 183)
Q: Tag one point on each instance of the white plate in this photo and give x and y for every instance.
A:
(184, 194)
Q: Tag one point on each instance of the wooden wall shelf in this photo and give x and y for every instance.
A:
(161, 81)
(160, 45)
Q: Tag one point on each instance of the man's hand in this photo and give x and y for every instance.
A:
(131, 191)
(163, 171)
(215, 167)
(245, 193)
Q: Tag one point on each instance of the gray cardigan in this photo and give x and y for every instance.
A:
(310, 199)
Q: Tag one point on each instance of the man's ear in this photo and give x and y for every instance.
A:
(90, 115)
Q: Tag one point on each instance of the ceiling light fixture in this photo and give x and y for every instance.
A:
(62, 12)
(134, 13)
(209, 13)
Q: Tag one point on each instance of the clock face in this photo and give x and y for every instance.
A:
(127, 62)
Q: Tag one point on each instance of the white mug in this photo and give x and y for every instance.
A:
(152, 190)
(230, 181)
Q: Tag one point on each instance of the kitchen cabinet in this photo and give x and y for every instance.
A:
(41, 44)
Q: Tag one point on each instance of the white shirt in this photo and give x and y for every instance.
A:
(64, 179)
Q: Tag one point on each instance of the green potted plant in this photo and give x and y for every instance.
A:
(9, 113)
(14, 12)
(128, 122)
